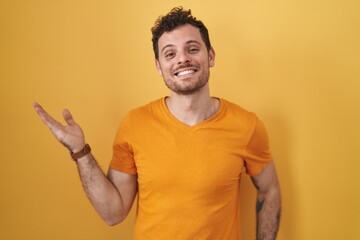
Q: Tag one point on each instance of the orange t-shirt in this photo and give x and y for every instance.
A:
(189, 176)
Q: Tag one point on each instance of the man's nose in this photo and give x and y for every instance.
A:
(183, 57)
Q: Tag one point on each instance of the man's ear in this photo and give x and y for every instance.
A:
(158, 67)
(211, 57)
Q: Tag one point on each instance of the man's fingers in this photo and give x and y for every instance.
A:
(49, 121)
(38, 108)
(68, 117)
(42, 113)
(71, 135)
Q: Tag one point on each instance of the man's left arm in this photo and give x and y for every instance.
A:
(268, 203)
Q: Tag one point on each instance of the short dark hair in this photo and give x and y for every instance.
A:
(175, 18)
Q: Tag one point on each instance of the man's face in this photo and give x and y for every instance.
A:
(184, 60)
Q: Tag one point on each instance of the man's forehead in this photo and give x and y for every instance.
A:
(183, 34)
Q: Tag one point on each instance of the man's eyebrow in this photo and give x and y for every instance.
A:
(192, 41)
(171, 45)
(166, 46)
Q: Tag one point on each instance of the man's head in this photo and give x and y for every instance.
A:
(183, 57)
(175, 18)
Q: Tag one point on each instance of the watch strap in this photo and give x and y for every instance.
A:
(82, 153)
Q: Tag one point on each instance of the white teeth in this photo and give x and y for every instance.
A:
(185, 72)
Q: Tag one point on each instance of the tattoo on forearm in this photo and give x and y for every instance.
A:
(268, 220)
(259, 205)
(278, 215)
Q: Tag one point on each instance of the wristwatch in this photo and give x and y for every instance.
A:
(83, 152)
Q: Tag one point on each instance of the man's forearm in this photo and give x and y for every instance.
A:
(102, 193)
(268, 211)
(99, 189)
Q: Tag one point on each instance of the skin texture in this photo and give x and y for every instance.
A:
(181, 50)
(112, 195)
(190, 55)
(268, 203)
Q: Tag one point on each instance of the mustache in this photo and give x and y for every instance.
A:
(186, 65)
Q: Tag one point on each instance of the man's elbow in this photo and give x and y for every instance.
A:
(114, 220)
(271, 193)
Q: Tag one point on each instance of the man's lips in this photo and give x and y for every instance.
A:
(185, 72)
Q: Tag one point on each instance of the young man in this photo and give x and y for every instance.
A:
(183, 154)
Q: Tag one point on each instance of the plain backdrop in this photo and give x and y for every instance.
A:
(295, 63)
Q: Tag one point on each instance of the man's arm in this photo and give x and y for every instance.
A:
(268, 204)
(111, 196)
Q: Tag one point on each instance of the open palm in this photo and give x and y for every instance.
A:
(70, 135)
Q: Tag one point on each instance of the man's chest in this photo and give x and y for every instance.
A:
(202, 160)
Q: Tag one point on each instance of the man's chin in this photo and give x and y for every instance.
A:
(185, 86)
(185, 90)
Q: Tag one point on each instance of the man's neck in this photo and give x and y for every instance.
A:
(193, 108)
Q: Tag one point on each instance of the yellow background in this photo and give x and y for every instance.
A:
(295, 63)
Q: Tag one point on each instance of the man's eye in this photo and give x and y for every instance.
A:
(193, 50)
(169, 55)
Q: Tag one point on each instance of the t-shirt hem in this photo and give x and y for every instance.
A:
(257, 171)
(124, 170)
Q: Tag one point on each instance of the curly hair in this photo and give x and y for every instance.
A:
(175, 18)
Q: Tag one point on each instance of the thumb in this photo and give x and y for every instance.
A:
(68, 117)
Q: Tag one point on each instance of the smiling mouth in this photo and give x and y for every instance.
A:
(185, 72)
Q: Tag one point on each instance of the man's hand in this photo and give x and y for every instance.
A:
(70, 135)
(112, 197)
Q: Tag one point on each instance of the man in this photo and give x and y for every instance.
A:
(183, 154)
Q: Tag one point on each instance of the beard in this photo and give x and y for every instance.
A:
(187, 86)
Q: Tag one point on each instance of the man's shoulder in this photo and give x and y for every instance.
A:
(238, 118)
(234, 108)
(144, 111)
(148, 107)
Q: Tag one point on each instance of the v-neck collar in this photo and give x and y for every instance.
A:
(185, 126)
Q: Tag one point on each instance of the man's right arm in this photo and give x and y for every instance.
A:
(112, 195)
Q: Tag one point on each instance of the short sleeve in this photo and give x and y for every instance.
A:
(123, 156)
(258, 153)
